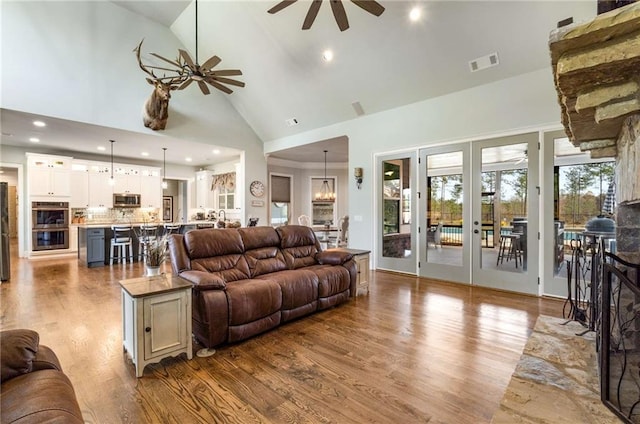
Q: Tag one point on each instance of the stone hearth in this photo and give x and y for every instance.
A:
(556, 380)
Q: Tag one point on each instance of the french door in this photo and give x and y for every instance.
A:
(478, 213)
(505, 217)
(445, 211)
(396, 246)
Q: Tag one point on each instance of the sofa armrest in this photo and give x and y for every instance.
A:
(46, 359)
(203, 280)
(18, 349)
(333, 257)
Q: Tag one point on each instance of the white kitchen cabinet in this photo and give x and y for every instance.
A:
(127, 179)
(151, 188)
(156, 318)
(49, 176)
(100, 190)
(79, 188)
(204, 196)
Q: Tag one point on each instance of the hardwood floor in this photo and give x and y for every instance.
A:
(411, 351)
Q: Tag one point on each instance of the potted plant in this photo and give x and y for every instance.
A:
(155, 248)
(156, 254)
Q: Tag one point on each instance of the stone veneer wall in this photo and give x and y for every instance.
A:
(628, 190)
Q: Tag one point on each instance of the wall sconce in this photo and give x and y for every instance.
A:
(357, 172)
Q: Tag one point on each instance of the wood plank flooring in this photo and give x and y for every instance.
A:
(411, 351)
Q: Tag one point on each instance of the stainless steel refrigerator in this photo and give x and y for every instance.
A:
(5, 270)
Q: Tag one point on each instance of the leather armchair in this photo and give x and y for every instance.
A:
(34, 389)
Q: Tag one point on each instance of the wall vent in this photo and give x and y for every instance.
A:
(291, 122)
(358, 108)
(484, 62)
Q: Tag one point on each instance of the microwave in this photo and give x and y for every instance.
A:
(126, 200)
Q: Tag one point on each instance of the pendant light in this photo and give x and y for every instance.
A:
(164, 170)
(112, 181)
(325, 193)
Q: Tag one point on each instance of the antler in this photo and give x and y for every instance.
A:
(148, 69)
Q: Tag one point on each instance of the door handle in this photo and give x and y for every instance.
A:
(148, 329)
(475, 222)
(475, 231)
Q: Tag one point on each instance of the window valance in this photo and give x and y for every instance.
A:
(227, 181)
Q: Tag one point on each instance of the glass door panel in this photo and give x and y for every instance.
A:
(444, 239)
(396, 243)
(505, 217)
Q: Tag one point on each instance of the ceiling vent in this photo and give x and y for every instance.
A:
(484, 62)
(291, 122)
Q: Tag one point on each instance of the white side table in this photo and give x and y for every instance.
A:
(156, 318)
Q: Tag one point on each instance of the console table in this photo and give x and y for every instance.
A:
(156, 318)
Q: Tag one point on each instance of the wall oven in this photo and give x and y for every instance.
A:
(49, 225)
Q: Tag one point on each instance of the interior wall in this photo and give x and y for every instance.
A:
(513, 105)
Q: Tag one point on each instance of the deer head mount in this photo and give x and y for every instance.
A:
(185, 71)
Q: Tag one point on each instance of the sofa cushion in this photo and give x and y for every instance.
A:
(331, 279)
(217, 251)
(299, 245)
(262, 251)
(250, 300)
(299, 287)
(18, 349)
(206, 243)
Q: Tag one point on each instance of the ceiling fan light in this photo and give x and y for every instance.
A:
(327, 55)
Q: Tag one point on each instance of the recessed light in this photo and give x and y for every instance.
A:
(216, 151)
(415, 14)
(188, 159)
(34, 140)
(327, 55)
(102, 148)
(39, 124)
(145, 153)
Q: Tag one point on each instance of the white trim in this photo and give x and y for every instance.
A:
(21, 208)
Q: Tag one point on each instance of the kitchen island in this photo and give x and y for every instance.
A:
(94, 239)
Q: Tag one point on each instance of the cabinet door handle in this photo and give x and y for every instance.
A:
(147, 329)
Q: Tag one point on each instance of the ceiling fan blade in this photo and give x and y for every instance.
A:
(203, 87)
(311, 14)
(278, 7)
(226, 72)
(211, 62)
(339, 14)
(185, 84)
(219, 86)
(173, 62)
(187, 59)
(228, 81)
(370, 6)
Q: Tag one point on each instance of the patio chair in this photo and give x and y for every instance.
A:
(433, 235)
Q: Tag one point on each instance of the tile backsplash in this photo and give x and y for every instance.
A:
(98, 216)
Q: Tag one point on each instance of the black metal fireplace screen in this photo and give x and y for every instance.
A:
(618, 335)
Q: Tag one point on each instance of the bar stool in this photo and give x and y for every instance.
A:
(172, 228)
(121, 241)
(509, 248)
(147, 231)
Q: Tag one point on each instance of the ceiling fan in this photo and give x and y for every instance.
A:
(189, 70)
(337, 8)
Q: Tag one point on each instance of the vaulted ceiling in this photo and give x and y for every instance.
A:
(379, 62)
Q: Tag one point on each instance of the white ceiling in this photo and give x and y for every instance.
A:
(382, 62)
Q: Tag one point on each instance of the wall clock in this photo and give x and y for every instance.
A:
(257, 189)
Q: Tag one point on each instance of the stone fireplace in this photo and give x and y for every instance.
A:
(596, 67)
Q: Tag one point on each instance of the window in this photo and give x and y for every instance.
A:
(280, 206)
(226, 198)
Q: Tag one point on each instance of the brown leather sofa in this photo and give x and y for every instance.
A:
(250, 280)
(34, 388)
